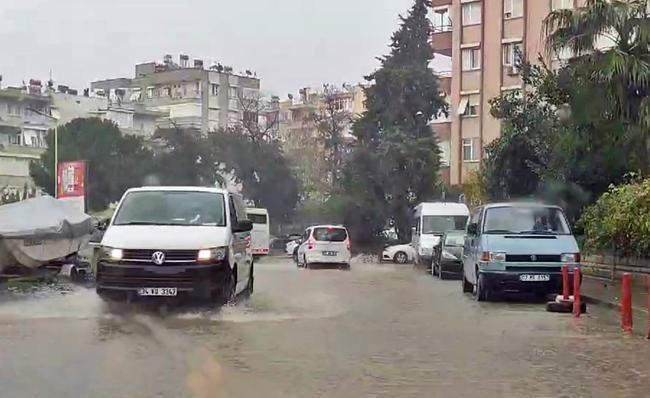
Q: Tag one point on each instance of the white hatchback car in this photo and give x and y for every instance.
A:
(325, 244)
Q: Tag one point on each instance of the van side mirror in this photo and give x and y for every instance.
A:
(242, 226)
(472, 229)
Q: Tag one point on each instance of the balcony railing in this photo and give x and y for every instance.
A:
(442, 28)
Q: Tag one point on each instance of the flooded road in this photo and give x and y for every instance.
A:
(374, 331)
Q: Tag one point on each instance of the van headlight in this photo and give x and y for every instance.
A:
(570, 258)
(214, 254)
(111, 253)
(497, 257)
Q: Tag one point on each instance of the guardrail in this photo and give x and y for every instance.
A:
(613, 267)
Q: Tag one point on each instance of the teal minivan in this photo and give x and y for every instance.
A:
(517, 247)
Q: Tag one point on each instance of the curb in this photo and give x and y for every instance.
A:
(609, 304)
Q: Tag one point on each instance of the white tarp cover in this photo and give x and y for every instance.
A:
(43, 218)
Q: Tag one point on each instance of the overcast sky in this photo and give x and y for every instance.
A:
(289, 43)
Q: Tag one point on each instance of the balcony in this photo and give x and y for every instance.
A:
(441, 39)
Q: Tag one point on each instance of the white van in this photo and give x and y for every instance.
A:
(431, 221)
(325, 244)
(260, 235)
(173, 241)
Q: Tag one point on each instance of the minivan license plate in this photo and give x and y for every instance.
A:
(534, 278)
(158, 291)
(330, 254)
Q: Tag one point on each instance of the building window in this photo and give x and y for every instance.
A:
(15, 139)
(561, 4)
(513, 8)
(471, 58)
(441, 20)
(232, 93)
(150, 92)
(470, 154)
(214, 89)
(445, 153)
(469, 105)
(472, 13)
(511, 54)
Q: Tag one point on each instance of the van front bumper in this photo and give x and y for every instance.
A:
(509, 281)
(191, 279)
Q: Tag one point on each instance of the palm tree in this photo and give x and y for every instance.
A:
(610, 41)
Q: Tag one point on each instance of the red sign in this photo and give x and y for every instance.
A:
(71, 180)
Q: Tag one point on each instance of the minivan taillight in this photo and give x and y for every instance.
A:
(310, 245)
(348, 244)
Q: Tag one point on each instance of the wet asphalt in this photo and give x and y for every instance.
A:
(375, 331)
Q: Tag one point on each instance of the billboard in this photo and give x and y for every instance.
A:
(71, 182)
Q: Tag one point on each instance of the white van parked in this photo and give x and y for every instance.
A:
(173, 241)
(431, 221)
(261, 233)
(325, 244)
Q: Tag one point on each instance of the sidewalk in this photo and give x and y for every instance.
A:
(606, 292)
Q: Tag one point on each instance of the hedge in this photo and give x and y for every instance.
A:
(620, 221)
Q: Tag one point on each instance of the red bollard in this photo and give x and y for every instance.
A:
(576, 293)
(565, 282)
(626, 304)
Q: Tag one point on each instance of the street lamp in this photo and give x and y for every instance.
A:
(56, 148)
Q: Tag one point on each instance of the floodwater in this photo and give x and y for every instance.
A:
(374, 331)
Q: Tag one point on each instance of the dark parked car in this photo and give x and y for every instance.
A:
(447, 260)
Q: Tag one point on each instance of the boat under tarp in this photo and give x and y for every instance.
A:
(37, 231)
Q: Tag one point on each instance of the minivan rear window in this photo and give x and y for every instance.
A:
(330, 234)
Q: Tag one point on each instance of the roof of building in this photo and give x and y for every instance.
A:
(20, 95)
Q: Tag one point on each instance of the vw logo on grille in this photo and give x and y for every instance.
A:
(533, 257)
(158, 258)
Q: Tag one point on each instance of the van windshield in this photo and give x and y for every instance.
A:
(525, 220)
(442, 224)
(183, 208)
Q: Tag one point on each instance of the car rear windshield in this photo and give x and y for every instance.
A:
(525, 220)
(257, 218)
(330, 234)
(184, 208)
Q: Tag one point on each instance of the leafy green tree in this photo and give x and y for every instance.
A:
(259, 166)
(116, 162)
(396, 161)
(620, 68)
(516, 162)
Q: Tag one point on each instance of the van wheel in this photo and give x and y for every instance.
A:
(467, 287)
(228, 289)
(482, 292)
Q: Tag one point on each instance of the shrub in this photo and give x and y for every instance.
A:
(620, 220)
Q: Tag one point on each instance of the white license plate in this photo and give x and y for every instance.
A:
(330, 254)
(534, 278)
(158, 291)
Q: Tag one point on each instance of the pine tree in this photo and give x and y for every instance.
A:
(396, 161)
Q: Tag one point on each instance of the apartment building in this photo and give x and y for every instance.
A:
(483, 38)
(23, 128)
(302, 143)
(193, 96)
